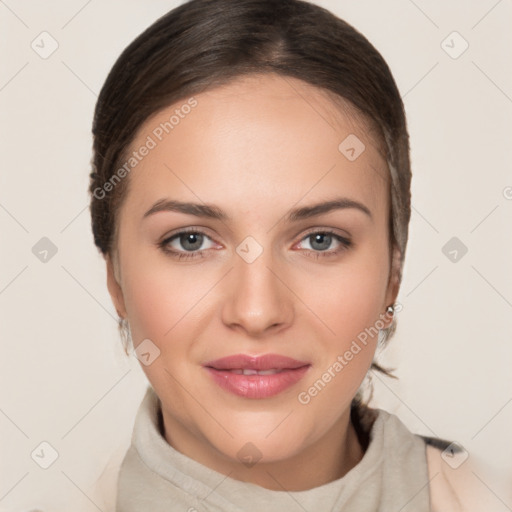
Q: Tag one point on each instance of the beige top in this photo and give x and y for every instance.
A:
(392, 475)
(145, 474)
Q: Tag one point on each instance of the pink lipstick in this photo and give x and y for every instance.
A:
(256, 376)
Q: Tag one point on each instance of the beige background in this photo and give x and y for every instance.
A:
(65, 379)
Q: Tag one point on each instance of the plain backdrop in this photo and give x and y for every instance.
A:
(64, 377)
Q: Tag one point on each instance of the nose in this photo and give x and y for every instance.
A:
(257, 299)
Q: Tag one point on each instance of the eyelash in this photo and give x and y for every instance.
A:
(163, 245)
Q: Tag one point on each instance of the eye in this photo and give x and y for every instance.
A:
(186, 244)
(189, 244)
(321, 241)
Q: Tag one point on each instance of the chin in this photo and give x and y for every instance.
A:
(267, 442)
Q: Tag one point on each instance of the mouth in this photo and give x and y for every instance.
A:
(256, 376)
(252, 371)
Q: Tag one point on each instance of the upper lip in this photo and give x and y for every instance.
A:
(263, 362)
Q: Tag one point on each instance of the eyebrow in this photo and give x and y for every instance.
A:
(214, 212)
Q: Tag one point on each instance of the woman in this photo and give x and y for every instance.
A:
(251, 197)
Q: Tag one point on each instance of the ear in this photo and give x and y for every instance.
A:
(114, 288)
(394, 281)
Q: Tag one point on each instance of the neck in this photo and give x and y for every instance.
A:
(326, 460)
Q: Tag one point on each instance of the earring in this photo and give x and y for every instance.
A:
(126, 335)
(390, 311)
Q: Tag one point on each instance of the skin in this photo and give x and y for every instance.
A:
(257, 148)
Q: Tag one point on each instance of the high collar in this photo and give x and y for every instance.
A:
(391, 475)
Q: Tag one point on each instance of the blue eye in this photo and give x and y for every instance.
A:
(191, 241)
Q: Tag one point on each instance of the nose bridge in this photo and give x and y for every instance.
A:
(256, 299)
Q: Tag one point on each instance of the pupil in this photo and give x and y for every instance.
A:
(192, 238)
(318, 238)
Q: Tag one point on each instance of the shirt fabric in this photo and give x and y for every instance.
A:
(391, 476)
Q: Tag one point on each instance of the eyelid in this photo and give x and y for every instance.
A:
(345, 242)
(324, 229)
(189, 229)
(166, 239)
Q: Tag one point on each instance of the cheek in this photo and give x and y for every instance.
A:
(349, 305)
(151, 296)
(161, 298)
(349, 299)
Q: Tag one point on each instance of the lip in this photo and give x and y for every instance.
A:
(256, 386)
(263, 362)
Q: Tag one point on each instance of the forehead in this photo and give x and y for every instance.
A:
(261, 139)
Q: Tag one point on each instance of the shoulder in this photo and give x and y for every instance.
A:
(105, 486)
(460, 482)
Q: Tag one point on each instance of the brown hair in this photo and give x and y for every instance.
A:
(202, 44)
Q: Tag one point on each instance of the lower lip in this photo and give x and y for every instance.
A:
(257, 386)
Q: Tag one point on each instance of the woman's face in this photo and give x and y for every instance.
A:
(254, 279)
